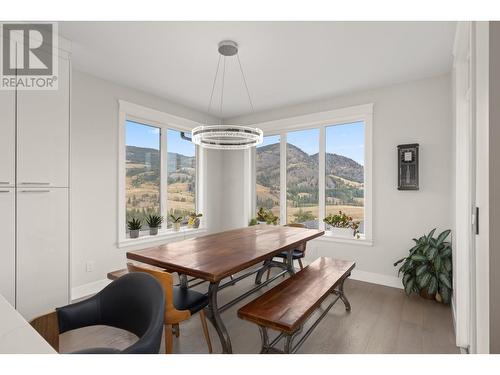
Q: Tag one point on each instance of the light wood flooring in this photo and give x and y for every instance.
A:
(382, 320)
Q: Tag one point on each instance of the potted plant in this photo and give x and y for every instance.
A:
(267, 217)
(134, 225)
(427, 269)
(176, 222)
(252, 222)
(194, 220)
(342, 225)
(154, 222)
(261, 215)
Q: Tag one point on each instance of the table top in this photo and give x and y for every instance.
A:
(217, 256)
(17, 335)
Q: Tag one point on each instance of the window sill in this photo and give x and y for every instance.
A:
(328, 237)
(168, 234)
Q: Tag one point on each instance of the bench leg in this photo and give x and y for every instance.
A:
(343, 296)
(214, 317)
(264, 338)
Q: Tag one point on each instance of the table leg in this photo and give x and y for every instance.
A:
(289, 263)
(183, 281)
(215, 319)
(265, 267)
(343, 296)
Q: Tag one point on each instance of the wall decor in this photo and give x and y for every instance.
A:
(408, 167)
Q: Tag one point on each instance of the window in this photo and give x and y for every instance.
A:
(181, 175)
(267, 174)
(142, 164)
(160, 171)
(302, 168)
(326, 168)
(344, 172)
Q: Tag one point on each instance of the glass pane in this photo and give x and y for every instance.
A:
(142, 186)
(267, 174)
(181, 176)
(302, 177)
(345, 155)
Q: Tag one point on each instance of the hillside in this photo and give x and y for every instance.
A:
(344, 177)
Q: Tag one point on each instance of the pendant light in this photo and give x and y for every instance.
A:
(227, 137)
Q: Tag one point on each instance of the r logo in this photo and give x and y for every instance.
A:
(27, 47)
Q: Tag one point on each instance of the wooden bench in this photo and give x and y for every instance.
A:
(287, 306)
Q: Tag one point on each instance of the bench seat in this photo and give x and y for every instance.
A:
(288, 305)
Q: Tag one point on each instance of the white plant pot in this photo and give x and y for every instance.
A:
(176, 226)
(342, 232)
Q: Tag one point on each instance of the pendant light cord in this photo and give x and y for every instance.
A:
(213, 88)
(245, 82)
(222, 90)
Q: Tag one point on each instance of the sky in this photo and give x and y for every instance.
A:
(149, 136)
(345, 139)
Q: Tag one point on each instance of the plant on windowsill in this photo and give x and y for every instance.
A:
(154, 222)
(427, 269)
(176, 222)
(342, 225)
(267, 217)
(194, 220)
(253, 221)
(134, 225)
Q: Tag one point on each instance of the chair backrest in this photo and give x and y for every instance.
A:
(167, 282)
(135, 303)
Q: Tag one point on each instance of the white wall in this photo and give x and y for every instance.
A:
(414, 112)
(94, 171)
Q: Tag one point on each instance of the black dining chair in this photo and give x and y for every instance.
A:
(297, 255)
(134, 302)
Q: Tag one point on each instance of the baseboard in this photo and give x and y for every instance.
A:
(89, 289)
(377, 278)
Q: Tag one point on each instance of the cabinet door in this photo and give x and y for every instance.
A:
(7, 137)
(43, 134)
(42, 250)
(7, 244)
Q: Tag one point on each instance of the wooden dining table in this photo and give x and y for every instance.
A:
(215, 257)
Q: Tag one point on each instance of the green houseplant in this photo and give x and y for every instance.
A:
(266, 216)
(154, 222)
(134, 225)
(194, 220)
(427, 269)
(342, 225)
(176, 222)
(253, 222)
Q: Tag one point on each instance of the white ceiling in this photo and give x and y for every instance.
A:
(285, 63)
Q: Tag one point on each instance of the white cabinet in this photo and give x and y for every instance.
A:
(7, 247)
(7, 137)
(42, 250)
(43, 133)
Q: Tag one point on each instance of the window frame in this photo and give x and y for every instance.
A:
(322, 120)
(164, 121)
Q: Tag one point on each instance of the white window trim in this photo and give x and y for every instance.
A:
(164, 121)
(322, 120)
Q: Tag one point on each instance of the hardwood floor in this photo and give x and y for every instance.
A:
(382, 320)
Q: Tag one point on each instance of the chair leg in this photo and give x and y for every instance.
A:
(284, 262)
(268, 273)
(205, 330)
(177, 330)
(169, 339)
(300, 264)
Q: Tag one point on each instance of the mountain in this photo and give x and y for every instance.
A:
(302, 169)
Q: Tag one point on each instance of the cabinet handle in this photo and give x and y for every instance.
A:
(35, 183)
(4, 191)
(4, 182)
(35, 191)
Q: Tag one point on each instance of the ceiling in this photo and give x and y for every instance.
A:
(285, 63)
